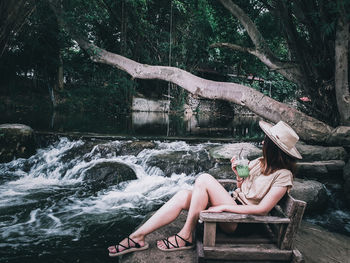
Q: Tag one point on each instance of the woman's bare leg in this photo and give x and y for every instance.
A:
(165, 215)
(207, 190)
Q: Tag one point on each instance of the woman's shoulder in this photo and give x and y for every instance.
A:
(254, 162)
(283, 173)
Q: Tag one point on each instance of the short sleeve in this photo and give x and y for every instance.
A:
(284, 178)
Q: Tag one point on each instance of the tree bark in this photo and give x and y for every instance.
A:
(262, 51)
(60, 76)
(341, 69)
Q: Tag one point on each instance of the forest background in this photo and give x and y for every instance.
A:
(289, 47)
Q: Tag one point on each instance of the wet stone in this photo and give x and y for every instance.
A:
(312, 192)
(321, 153)
(225, 152)
(107, 173)
(16, 141)
(178, 162)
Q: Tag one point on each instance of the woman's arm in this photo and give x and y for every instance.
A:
(266, 204)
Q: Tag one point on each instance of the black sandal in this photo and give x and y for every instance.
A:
(128, 249)
(167, 243)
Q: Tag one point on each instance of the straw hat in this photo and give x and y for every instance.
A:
(283, 136)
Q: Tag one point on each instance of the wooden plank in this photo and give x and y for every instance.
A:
(247, 252)
(241, 218)
(209, 234)
(245, 240)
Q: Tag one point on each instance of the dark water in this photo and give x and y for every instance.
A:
(142, 124)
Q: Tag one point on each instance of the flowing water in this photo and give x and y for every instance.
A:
(49, 213)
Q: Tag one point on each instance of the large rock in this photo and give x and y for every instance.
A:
(225, 152)
(107, 173)
(16, 141)
(178, 162)
(321, 153)
(312, 192)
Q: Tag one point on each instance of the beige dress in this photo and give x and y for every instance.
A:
(257, 185)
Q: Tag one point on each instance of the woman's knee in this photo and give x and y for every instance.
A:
(203, 179)
(183, 198)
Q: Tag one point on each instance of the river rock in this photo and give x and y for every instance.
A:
(346, 176)
(312, 192)
(109, 173)
(225, 152)
(135, 147)
(178, 162)
(321, 153)
(340, 136)
(118, 148)
(222, 171)
(320, 169)
(16, 141)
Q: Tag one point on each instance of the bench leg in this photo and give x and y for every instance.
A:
(209, 234)
(297, 257)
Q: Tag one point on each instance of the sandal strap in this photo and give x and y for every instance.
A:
(137, 245)
(167, 242)
(187, 243)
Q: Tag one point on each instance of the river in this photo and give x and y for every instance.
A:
(48, 213)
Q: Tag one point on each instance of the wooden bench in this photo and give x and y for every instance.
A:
(271, 239)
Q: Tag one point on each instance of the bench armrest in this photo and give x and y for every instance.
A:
(241, 218)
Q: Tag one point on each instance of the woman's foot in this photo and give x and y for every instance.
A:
(128, 245)
(174, 243)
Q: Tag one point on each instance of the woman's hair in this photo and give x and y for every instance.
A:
(274, 158)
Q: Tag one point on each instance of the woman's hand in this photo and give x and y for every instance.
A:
(233, 167)
(216, 209)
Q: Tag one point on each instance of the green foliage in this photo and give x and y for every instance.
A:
(141, 31)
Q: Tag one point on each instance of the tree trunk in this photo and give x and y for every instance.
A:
(60, 80)
(308, 128)
(341, 70)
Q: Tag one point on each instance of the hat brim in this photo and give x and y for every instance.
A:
(293, 152)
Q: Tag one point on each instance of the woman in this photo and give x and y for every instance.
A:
(270, 177)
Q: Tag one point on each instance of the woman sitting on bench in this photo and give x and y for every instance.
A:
(270, 177)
